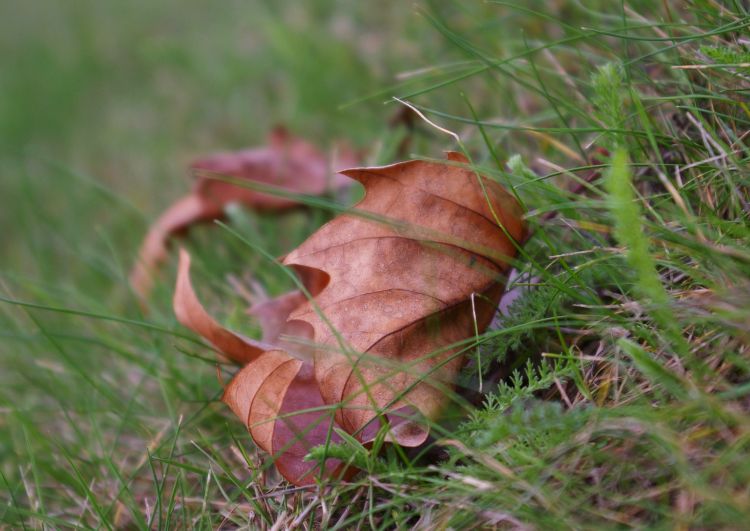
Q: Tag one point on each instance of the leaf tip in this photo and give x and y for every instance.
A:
(457, 156)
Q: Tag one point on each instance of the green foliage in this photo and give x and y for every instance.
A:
(521, 385)
(533, 426)
(524, 325)
(726, 55)
(608, 99)
(629, 231)
(349, 451)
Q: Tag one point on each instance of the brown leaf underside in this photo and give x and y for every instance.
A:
(391, 303)
(287, 163)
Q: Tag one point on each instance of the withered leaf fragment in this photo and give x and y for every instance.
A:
(286, 163)
(399, 286)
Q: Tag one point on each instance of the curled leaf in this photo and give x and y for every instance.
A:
(190, 313)
(399, 286)
(287, 163)
(275, 394)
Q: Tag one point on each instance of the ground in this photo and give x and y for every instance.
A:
(615, 390)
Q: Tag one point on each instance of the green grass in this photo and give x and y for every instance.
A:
(616, 392)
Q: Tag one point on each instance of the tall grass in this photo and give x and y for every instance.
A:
(615, 389)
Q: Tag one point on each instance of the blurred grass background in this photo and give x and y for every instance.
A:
(629, 401)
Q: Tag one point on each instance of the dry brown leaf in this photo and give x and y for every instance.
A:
(398, 286)
(273, 390)
(286, 163)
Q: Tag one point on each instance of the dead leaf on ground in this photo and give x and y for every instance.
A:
(398, 286)
(287, 163)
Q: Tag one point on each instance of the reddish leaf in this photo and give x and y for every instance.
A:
(287, 163)
(275, 394)
(400, 285)
(190, 313)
